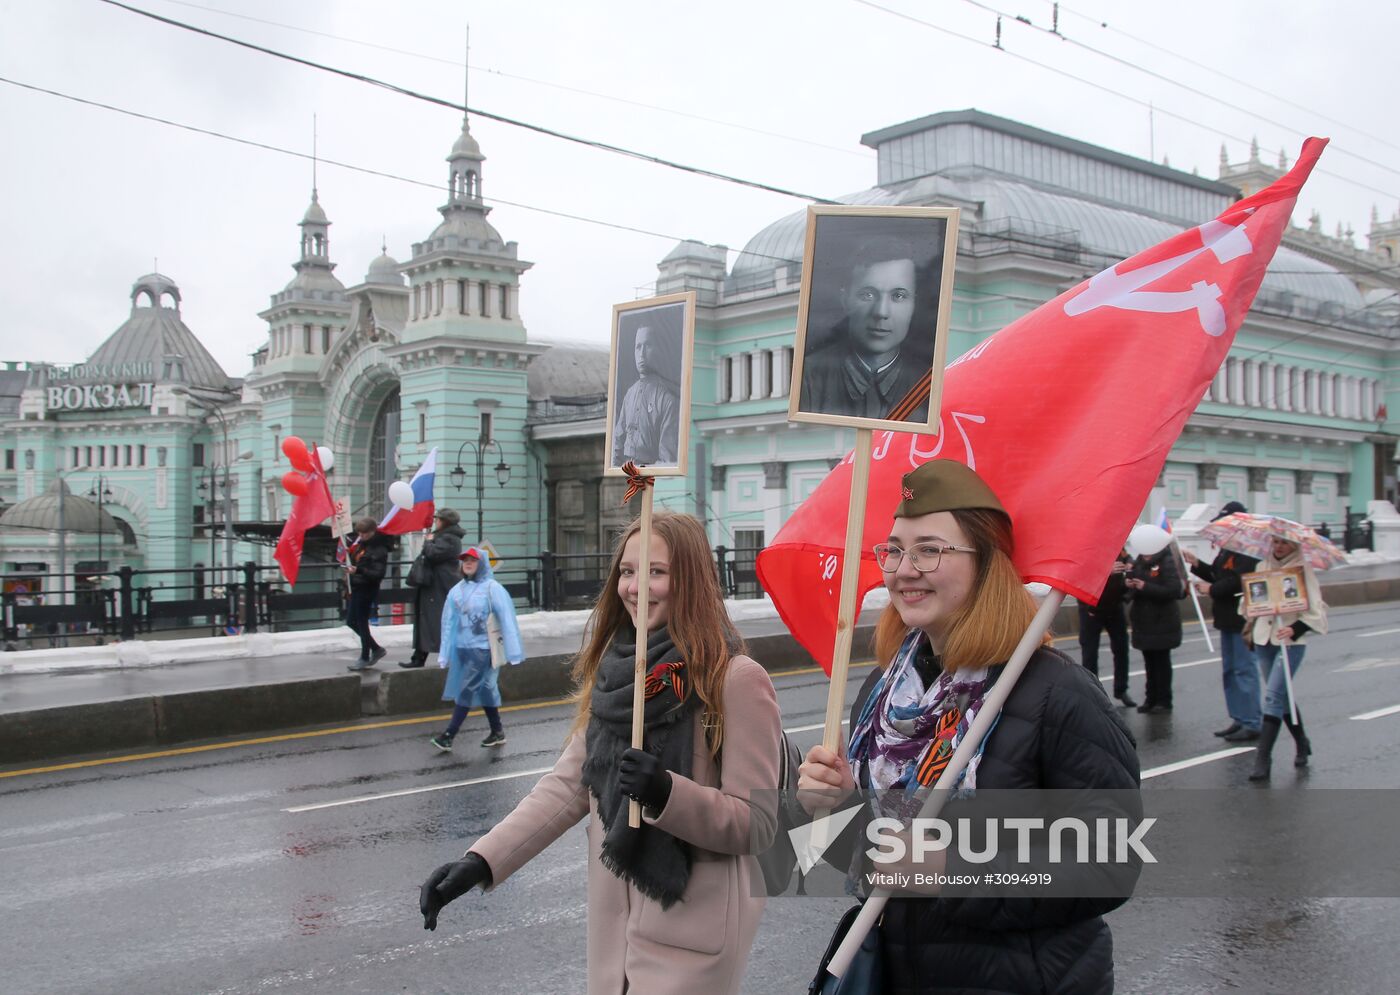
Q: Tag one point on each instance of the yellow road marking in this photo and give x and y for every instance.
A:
(288, 737)
(261, 740)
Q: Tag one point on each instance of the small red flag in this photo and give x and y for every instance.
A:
(308, 511)
(1068, 413)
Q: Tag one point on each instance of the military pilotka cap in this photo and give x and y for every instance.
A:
(943, 485)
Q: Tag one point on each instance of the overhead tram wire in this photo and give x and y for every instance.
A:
(1099, 22)
(462, 108)
(1128, 63)
(1102, 257)
(529, 79)
(345, 165)
(1097, 86)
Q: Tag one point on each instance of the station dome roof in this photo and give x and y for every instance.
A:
(41, 513)
(154, 333)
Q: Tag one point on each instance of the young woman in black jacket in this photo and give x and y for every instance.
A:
(957, 611)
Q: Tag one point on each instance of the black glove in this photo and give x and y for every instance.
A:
(450, 882)
(641, 777)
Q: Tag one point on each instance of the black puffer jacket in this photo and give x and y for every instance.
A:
(1155, 614)
(1225, 586)
(370, 558)
(1057, 730)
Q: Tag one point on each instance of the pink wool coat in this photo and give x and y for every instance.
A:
(701, 943)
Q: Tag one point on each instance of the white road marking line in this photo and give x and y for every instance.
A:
(418, 791)
(1195, 761)
(466, 784)
(1175, 666)
(1378, 713)
(1381, 632)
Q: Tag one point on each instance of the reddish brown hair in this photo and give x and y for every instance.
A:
(987, 628)
(699, 625)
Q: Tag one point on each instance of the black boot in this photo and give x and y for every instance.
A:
(1264, 752)
(1300, 739)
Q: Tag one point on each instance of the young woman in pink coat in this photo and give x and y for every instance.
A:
(671, 906)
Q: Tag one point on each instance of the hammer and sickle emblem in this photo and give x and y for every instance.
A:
(1124, 290)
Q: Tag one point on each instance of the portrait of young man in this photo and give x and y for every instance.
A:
(647, 410)
(873, 317)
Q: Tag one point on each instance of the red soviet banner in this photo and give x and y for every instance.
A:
(308, 511)
(1068, 413)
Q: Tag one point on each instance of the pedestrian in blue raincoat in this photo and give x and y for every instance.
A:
(472, 607)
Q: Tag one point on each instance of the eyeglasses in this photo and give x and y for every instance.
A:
(924, 557)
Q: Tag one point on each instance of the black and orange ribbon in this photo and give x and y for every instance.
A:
(911, 401)
(941, 750)
(636, 480)
(665, 675)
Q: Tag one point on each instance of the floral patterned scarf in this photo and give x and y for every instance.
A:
(907, 732)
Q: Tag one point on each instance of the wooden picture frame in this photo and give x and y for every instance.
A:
(1274, 592)
(1293, 591)
(857, 263)
(648, 420)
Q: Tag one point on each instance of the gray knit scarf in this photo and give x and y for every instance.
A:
(653, 860)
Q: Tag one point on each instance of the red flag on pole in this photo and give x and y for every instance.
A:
(308, 511)
(1068, 413)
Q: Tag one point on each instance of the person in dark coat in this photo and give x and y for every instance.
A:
(437, 571)
(1107, 616)
(1155, 586)
(366, 563)
(957, 611)
(1239, 675)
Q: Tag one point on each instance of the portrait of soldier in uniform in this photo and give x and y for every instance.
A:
(647, 390)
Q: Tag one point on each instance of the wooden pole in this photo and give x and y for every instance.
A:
(1191, 586)
(1287, 679)
(634, 808)
(847, 609)
(846, 612)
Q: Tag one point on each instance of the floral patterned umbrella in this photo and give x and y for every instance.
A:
(1252, 534)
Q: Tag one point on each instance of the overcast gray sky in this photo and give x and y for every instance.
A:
(777, 91)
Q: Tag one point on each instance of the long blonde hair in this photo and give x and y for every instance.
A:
(986, 629)
(699, 625)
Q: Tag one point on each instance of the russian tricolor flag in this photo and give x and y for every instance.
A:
(400, 521)
(1163, 522)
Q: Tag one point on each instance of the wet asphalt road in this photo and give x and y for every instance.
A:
(191, 873)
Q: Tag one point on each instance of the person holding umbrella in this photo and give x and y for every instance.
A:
(1221, 581)
(1281, 635)
(673, 905)
(1279, 544)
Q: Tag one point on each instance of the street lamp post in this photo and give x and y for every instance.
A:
(102, 493)
(458, 476)
(206, 488)
(207, 398)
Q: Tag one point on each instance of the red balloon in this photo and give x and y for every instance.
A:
(294, 483)
(295, 451)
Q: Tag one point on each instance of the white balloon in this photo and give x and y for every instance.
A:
(327, 458)
(401, 495)
(1146, 540)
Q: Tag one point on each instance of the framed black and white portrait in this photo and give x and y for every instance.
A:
(872, 322)
(653, 345)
